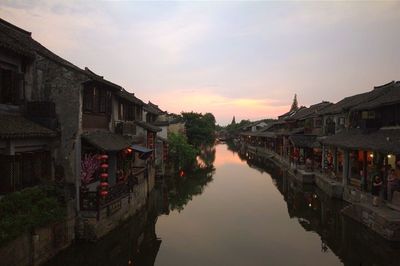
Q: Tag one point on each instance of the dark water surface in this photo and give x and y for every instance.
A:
(237, 210)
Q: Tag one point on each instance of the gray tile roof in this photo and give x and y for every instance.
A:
(390, 95)
(130, 97)
(304, 141)
(107, 141)
(17, 126)
(148, 126)
(304, 113)
(383, 140)
(152, 108)
(21, 42)
(353, 101)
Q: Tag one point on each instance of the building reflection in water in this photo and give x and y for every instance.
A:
(182, 189)
(133, 243)
(353, 243)
(136, 243)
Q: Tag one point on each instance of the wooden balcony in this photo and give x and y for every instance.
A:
(91, 201)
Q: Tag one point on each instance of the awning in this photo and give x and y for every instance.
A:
(383, 140)
(17, 126)
(107, 141)
(304, 141)
(144, 152)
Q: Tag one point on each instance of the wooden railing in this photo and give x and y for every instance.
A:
(91, 201)
(115, 192)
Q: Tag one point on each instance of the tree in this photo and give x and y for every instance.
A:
(233, 121)
(200, 129)
(295, 105)
(180, 151)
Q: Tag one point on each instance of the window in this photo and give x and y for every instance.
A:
(318, 122)
(139, 113)
(108, 102)
(88, 99)
(102, 101)
(368, 115)
(129, 112)
(121, 111)
(11, 86)
(96, 100)
(23, 170)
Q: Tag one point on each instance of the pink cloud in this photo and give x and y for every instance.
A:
(222, 107)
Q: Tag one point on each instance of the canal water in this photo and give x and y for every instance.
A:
(236, 209)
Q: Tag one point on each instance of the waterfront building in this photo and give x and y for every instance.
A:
(341, 147)
(64, 125)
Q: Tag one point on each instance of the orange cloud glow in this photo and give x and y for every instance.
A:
(224, 108)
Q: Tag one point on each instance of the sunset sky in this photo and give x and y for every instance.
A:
(246, 59)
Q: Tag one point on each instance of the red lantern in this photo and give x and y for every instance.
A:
(104, 165)
(104, 184)
(104, 175)
(103, 193)
(104, 157)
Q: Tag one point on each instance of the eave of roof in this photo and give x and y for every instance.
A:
(383, 140)
(304, 141)
(17, 126)
(107, 141)
(129, 97)
(148, 126)
(390, 96)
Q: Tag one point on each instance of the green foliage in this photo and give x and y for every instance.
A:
(200, 129)
(181, 153)
(183, 190)
(233, 121)
(295, 105)
(235, 126)
(24, 210)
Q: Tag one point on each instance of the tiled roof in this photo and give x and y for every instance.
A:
(353, 101)
(100, 79)
(148, 126)
(383, 140)
(288, 114)
(390, 95)
(304, 141)
(130, 97)
(21, 42)
(304, 113)
(152, 108)
(17, 126)
(290, 132)
(161, 123)
(107, 141)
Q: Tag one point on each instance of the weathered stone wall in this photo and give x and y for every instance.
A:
(37, 247)
(384, 222)
(92, 227)
(63, 86)
(331, 187)
(17, 252)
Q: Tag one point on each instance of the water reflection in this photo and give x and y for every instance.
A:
(250, 212)
(353, 243)
(133, 243)
(182, 189)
